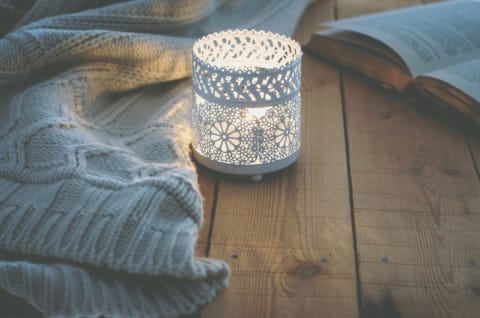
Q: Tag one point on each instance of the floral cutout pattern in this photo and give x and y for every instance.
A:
(230, 135)
(225, 136)
(285, 132)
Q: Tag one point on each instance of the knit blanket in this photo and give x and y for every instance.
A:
(99, 202)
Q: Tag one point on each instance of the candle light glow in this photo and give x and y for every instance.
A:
(246, 111)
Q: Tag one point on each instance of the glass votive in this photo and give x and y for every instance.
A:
(247, 103)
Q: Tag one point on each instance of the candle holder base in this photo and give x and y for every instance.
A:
(256, 171)
(257, 177)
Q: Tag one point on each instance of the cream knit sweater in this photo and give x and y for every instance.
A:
(99, 202)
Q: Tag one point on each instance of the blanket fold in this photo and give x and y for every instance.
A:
(99, 201)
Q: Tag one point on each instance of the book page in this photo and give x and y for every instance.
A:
(426, 37)
(465, 76)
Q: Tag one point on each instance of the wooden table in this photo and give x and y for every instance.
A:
(380, 216)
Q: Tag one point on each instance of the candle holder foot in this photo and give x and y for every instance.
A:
(257, 177)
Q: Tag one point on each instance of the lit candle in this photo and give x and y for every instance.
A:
(246, 110)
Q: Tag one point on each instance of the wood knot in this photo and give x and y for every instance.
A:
(476, 291)
(386, 115)
(415, 170)
(450, 172)
(306, 270)
(421, 169)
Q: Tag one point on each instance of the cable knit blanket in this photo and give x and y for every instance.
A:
(99, 202)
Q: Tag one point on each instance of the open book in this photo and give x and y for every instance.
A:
(436, 47)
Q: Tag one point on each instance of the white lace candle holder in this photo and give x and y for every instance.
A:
(246, 108)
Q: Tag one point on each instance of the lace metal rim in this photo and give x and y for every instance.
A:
(243, 33)
(238, 67)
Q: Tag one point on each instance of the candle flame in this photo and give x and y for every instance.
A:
(256, 113)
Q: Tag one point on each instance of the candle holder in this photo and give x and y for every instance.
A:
(246, 104)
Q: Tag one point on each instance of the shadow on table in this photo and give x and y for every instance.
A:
(15, 307)
(386, 308)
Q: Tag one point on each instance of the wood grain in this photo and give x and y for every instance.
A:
(474, 143)
(416, 199)
(416, 206)
(289, 238)
(417, 209)
(206, 180)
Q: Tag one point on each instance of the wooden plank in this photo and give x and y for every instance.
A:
(417, 212)
(279, 306)
(206, 180)
(289, 238)
(415, 192)
(474, 143)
